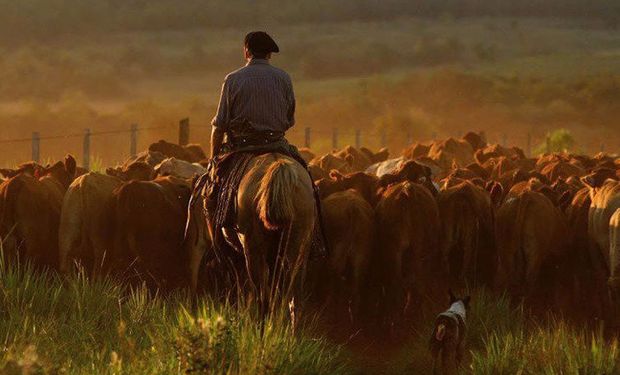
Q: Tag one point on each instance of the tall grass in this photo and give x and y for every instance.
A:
(55, 325)
(505, 339)
(52, 324)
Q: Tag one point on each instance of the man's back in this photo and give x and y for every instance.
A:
(259, 95)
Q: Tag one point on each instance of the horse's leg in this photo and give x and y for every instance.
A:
(254, 248)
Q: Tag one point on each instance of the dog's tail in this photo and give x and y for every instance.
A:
(444, 331)
(440, 332)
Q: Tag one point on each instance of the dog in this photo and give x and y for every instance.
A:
(448, 338)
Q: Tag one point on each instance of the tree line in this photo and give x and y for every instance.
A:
(40, 19)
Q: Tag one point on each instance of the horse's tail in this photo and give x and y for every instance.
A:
(275, 194)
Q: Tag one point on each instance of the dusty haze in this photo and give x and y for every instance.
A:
(409, 70)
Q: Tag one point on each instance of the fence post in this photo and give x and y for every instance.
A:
(358, 138)
(383, 138)
(528, 148)
(504, 140)
(36, 150)
(184, 131)
(335, 138)
(602, 147)
(548, 144)
(86, 150)
(133, 140)
(307, 137)
(409, 137)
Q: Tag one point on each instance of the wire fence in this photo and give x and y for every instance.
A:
(114, 145)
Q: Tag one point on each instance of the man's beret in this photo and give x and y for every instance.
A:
(260, 41)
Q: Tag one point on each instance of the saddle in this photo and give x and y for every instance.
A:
(219, 186)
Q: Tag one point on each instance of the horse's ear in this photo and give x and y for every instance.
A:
(466, 301)
(452, 297)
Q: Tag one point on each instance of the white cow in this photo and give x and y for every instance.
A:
(385, 167)
(179, 168)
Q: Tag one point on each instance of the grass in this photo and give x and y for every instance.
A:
(52, 324)
(77, 326)
(505, 339)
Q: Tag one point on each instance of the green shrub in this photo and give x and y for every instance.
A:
(560, 140)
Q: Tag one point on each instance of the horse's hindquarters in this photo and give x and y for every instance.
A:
(276, 217)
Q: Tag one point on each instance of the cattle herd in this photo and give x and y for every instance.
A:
(454, 212)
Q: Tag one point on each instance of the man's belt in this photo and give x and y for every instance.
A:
(255, 138)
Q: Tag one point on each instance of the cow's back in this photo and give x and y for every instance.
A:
(605, 202)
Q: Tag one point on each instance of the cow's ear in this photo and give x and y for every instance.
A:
(565, 199)
(589, 181)
(478, 182)
(497, 192)
(478, 156)
(336, 175)
(382, 155)
(452, 297)
(8, 173)
(466, 301)
(111, 171)
(428, 172)
(70, 165)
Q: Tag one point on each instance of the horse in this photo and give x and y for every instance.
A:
(274, 223)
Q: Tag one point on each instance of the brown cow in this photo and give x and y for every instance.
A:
(408, 235)
(329, 162)
(192, 153)
(451, 150)
(349, 228)
(150, 221)
(531, 240)
(306, 154)
(410, 171)
(30, 212)
(85, 228)
(587, 267)
(605, 202)
(561, 169)
(467, 240)
(376, 157)
(364, 183)
(614, 251)
(497, 151)
(476, 140)
(137, 170)
(358, 159)
(151, 158)
(416, 150)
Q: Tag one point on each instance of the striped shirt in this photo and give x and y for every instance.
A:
(258, 94)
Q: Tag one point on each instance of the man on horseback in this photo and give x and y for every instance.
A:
(260, 204)
(257, 105)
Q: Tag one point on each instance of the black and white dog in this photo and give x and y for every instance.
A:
(448, 339)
